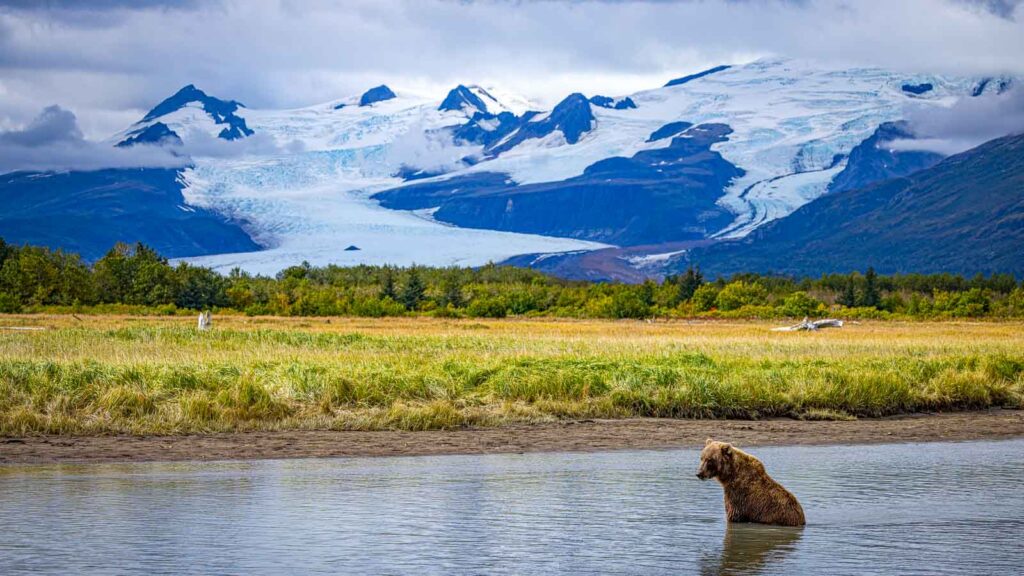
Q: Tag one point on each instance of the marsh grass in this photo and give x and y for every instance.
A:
(160, 376)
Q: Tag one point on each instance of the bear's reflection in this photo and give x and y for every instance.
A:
(749, 548)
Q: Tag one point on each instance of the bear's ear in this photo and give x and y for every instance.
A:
(727, 450)
(708, 441)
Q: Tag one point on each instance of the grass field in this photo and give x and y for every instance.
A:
(110, 374)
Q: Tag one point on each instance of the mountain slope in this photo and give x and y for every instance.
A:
(964, 215)
(477, 169)
(571, 118)
(657, 195)
(87, 212)
(793, 123)
(873, 160)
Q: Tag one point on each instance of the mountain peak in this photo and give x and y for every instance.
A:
(220, 111)
(376, 94)
(155, 133)
(574, 99)
(572, 116)
(176, 101)
(461, 97)
(188, 94)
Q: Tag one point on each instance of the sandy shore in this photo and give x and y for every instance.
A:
(581, 436)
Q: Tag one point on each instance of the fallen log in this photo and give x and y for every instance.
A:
(809, 325)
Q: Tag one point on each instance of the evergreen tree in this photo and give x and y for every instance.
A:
(6, 250)
(870, 297)
(688, 284)
(199, 288)
(647, 293)
(135, 274)
(412, 291)
(296, 272)
(451, 291)
(848, 297)
(387, 285)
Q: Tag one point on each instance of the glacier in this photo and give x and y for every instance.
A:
(309, 205)
(791, 119)
(309, 196)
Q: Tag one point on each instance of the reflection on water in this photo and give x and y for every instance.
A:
(932, 508)
(751, 548)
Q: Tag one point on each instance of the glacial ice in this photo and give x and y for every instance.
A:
(793, 124)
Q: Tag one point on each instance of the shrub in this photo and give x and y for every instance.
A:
(704, 297)
(374, 308)
(737, 294)
(629, 304)
(9, 303)
(971, 303)
(800, 304)
(1015, 302)
(487, 307)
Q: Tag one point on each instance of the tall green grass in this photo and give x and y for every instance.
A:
(152, 379)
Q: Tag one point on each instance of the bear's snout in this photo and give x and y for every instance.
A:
(703, 472)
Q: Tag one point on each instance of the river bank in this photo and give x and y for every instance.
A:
(569, 436)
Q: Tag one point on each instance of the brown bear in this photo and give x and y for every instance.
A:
(750, 493)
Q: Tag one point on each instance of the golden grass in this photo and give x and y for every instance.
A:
(118, 374)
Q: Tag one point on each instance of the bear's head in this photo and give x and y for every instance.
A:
(717, 460)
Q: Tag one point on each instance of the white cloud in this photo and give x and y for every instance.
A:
(966, 124)
(428, 150)
(110, 59)
(53, 125)
(53, 141)
(201, 143)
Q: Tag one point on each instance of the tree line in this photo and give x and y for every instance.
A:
(137, 278)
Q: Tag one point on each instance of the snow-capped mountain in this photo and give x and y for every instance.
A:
(478, 175)
(474, 99)
(962, 215)
(189, 110)
(792, 126)
(307, 196)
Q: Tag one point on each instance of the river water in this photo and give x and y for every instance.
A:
(940, 508)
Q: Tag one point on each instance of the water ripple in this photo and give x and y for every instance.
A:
(953, 508)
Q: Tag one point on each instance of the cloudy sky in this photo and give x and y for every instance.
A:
(107, 61)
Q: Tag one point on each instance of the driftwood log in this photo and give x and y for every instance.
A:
(809, 325)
